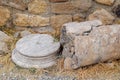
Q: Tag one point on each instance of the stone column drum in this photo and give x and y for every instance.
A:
(36, 51)
(88, 43)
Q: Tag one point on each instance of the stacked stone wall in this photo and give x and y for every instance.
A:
(48, 16)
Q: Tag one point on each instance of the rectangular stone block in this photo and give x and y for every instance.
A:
(18, 4)
(38, 6)
(30, 20)
(65, 7)
(57, 21)
(58, 0)
(4, 15)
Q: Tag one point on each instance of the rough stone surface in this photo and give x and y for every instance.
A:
(37, 6)
(66, 7)
(68, 63)
(98, 48)
(4, 38)
(4, 15)
(17, 4)
(81, 28)
(78, 18)
(36, 50)
(30, 20)
(100, 44)
(106, 2)
(25, 33)
(58, 20)
(20, 28)
(58, 0)
(44, 30)
(102, 15)
(70, 30)
(3, 48)
(83, 5)
(116, 10)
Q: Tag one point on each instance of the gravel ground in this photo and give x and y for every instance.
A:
(101, 71)
(11, 76)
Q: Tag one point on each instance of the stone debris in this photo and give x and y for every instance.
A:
(58, 0)
(25, 33)
(82, 5)
(106, 2)
(36, 51)
(37, 6)
(44, 30)
(3, 48)
(66, 7)
(103, 15)
(25, 20)
(100, 44)
(4, 15)
(17, 4)
(4, 38)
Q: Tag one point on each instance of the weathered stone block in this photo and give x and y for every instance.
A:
(100, 44)
(102, 15)
(58, 20)
(38, 6)
(17, 4)
(106, 2)
(66, 7)
(4, 38)
(58, 0)
(3, 48)
(78, 17)
(83, 5)
(30, 20)
(44, 30)
(25, 33)
(4, 15)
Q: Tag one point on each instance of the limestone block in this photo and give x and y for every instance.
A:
(64, 7)
(106, 2)
(102, 15)
(58, 0)
(25, 20)
(37, 6)
(4, 15)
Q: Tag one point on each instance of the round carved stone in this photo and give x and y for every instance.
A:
(36, 50)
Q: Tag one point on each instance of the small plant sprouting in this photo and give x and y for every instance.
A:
(32, 70)
(56, 40)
